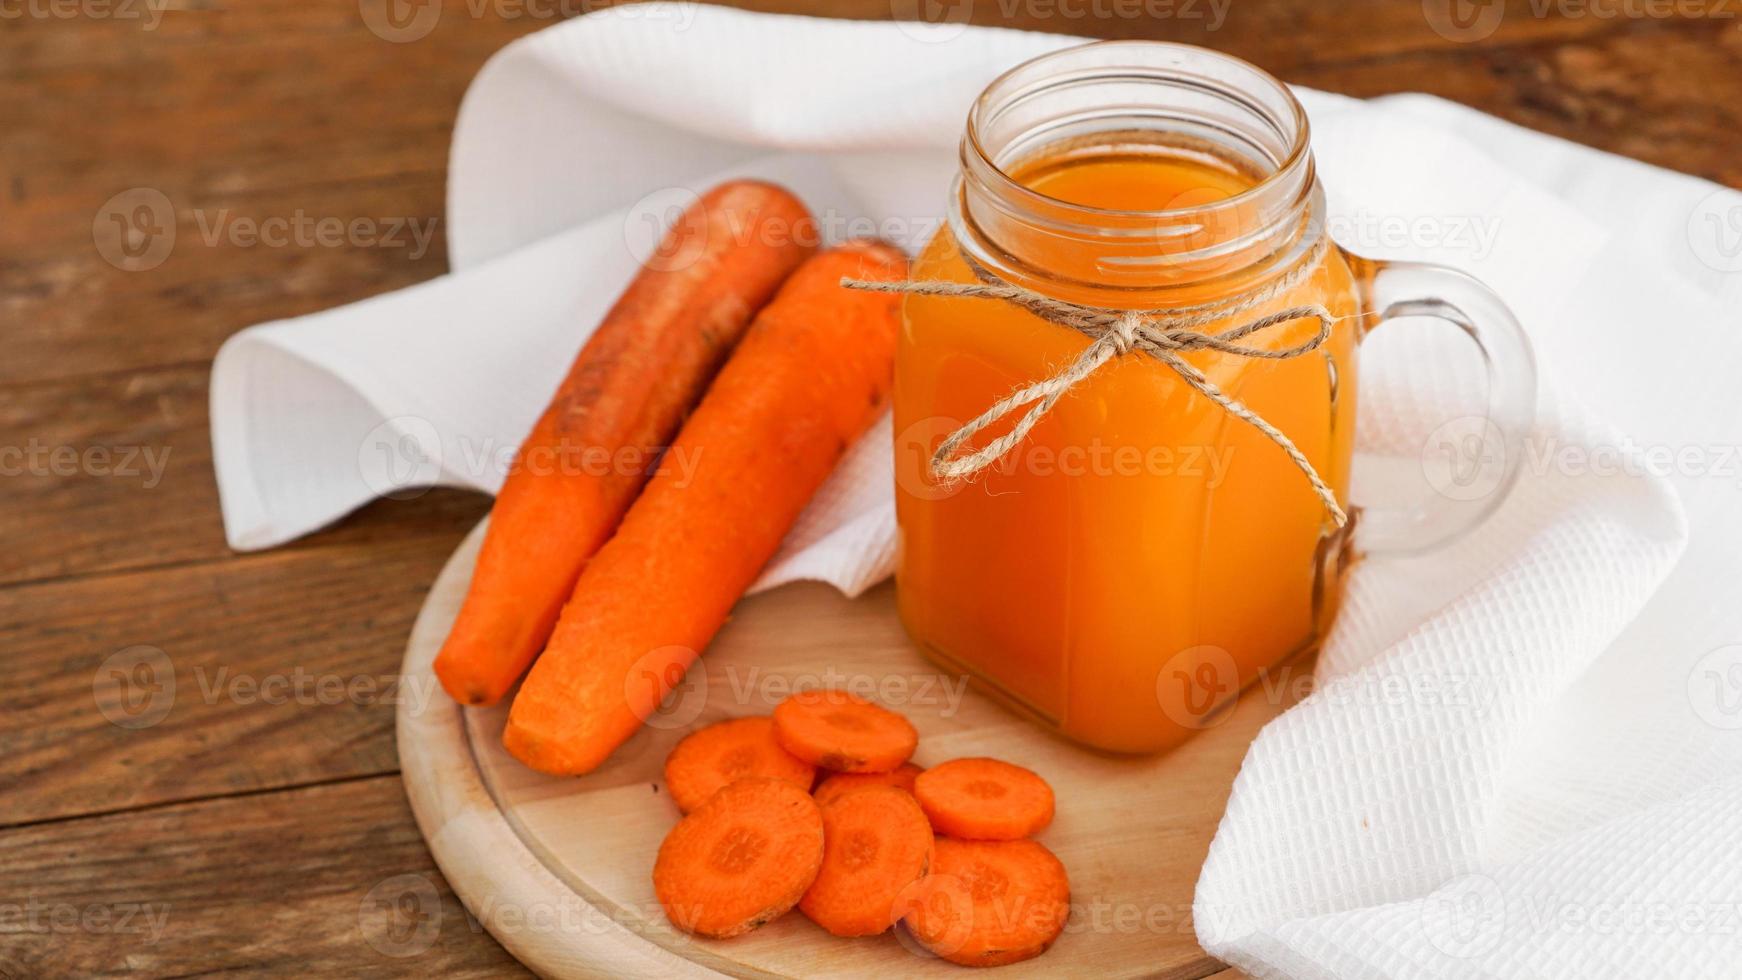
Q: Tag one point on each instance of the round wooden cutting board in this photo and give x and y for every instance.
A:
(559, 869)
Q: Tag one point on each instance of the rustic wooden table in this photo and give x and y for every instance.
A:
(239, 819)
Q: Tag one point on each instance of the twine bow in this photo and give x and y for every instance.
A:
(1161, 334)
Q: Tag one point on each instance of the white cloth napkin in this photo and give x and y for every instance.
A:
(1522, 755)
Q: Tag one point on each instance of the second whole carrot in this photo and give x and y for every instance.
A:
(810, 375)
(624, 398)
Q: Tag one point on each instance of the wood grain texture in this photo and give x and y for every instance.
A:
(252, 674)
(114, 472)
(246, 113)
(1648, 90)
(249, 885)
(260, 109)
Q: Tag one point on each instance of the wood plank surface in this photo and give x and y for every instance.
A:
(274, 107)
(248, 885)
(114, 472)
(207, 679)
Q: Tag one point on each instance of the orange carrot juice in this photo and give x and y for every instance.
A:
(1142, 554)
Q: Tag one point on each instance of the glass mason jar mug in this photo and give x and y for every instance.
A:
(1141, 553)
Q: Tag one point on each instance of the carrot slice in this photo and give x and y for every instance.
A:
(842, 783)
(839, 731)
(875, 843)
(988, 903)
(624, 397)
(742, 859)
(723, 753)
(984, 799)
(811, 375)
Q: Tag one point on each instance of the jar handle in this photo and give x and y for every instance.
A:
(1470, 462)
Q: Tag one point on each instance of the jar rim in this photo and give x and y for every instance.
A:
(1206, 102)
(1299, 135)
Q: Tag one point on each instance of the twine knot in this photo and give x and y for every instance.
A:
(1124, 333)
(1160, 334)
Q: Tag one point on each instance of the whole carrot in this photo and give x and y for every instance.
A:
(593, 448)
(811, 374)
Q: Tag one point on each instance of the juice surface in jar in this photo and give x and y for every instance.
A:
(1142, 554)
